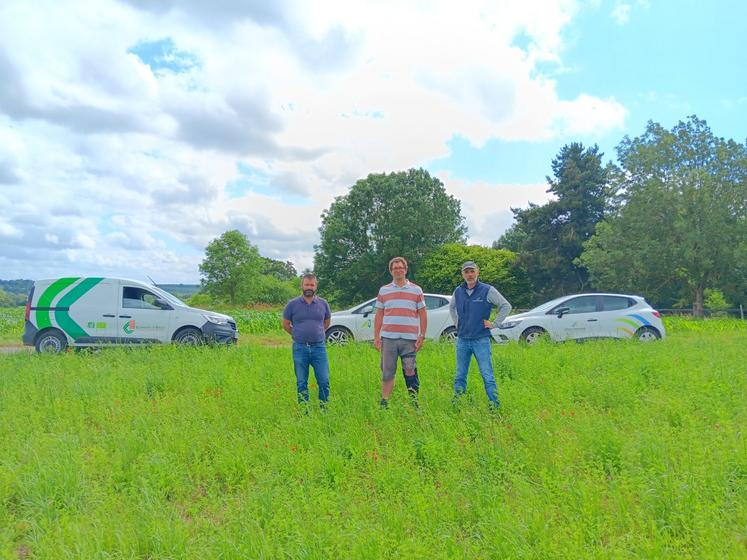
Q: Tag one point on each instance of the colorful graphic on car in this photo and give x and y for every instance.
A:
(632, 320)
(129, 326)
(62, 309)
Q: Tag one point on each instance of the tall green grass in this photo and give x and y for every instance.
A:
(608, 449)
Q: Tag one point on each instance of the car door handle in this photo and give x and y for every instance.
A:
(125, 316)
(108, 315)
(592, 320)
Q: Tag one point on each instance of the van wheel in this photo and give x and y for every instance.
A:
(51, 342)
(189, 337)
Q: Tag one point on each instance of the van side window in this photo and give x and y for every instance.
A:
(138, 298)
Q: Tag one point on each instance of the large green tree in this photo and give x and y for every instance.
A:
(230, 266)
(384, 215)
(683, 218)
(550, 237)
(441, 271)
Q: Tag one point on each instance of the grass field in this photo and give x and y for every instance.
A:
(608, 449)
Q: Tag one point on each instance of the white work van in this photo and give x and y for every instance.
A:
(95, 311)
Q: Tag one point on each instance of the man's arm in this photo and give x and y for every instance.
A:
(287, 326)
(504, 308)
(453, 309)
(423, 315)
(327, 316)
(378, 321)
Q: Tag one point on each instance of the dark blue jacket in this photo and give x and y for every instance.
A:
(472, 310)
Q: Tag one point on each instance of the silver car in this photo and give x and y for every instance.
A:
(583, 316)
(356, 323)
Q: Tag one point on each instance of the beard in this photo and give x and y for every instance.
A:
(309, 293)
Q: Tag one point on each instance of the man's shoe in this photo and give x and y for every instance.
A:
(384, 404)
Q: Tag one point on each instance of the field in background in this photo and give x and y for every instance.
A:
(604, 449)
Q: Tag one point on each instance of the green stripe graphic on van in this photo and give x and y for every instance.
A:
(73, 329)
(45, 300)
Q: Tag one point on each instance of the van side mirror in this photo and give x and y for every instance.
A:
(162, 304)
(562, 311)
(367, 310)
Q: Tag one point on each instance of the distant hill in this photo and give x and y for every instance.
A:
(16, 286)
(182, 291)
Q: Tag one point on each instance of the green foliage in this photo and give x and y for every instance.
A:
(441, 271)
(234, 272)
(683, 219)
(550, 237)
(270, 290)
(230, 267)
(19, 286)
(11, 299)
(11, 323)
(603, 450)
(400, 214)
(281, 270)
(715, 301)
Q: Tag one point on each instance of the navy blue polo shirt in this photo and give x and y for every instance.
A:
(307, 319)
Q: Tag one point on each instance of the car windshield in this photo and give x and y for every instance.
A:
(547, 305)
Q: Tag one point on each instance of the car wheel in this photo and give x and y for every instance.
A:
(533, 334)
(647, 334)
(339, 335)
(449, 334)
(51, 342)
(189, 337)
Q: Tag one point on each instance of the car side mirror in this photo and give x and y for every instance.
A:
(162, 304)
(562, 311)
(367, 310)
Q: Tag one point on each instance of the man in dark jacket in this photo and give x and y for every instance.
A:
(470, 307)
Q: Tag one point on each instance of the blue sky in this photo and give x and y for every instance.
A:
(134, 132)
(668, 60)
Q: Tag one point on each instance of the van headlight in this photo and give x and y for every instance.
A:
(216, 320)
(508, 324)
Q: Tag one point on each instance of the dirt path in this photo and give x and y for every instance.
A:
(15, 348)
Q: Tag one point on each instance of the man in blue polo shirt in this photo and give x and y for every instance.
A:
(470, 307)
(306, 319)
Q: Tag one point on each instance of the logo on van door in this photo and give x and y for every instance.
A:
(129, 326)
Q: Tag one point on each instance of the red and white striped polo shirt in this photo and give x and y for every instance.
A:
(400, 306)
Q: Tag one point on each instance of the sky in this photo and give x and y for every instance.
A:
(134, 132)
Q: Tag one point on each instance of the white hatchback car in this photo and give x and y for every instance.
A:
(356, 323)
(583, 316)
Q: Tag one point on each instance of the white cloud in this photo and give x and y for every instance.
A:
(621, 13)
(109, 167)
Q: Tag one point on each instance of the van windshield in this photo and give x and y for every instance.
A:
(168, 297)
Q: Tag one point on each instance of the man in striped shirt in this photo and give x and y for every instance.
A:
(399, 329)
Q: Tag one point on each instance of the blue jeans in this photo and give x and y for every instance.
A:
(314, 355)
(480, 347)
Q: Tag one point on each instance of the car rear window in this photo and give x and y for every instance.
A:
(433, 302)
(613, 303)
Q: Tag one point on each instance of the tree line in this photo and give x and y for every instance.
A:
(667, 221)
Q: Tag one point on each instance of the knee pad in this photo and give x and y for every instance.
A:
(412, 382)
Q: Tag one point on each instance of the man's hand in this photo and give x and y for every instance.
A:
(419, 343)
(487, 324)
(377, 343)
